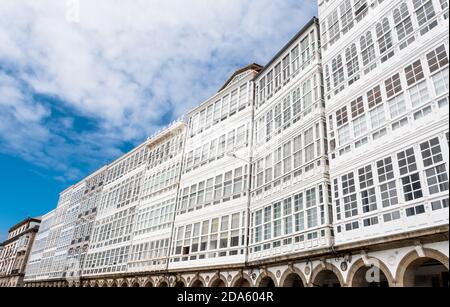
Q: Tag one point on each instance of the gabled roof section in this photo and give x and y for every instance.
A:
(253, 66)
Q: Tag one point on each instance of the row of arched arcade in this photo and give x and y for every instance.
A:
(423, 267)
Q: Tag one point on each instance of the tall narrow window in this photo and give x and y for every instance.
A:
(419, 94)
(295, 57)
(296, 103)
(234, 101)
(346, 16)
(287, 111)
(384, 36)
(361, 9)
(360, 126)
(342, 117)
(397, 106)
(243, 99)
(262, 90)
(357, 106)
(403, 25)
(437, 176)
(444, 7)
(351, 55)
(333, 27)
(338, 71)
(270, 83)
(368, 52)
(425, 14)
(286, 68)
(225, 106)
(304, 44)
(217, 107)
(278, 76)
(377, 117)
(307, 94)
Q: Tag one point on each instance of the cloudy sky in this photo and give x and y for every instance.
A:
(78, 88)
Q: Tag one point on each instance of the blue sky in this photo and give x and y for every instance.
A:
(76, 93)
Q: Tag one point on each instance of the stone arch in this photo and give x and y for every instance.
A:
(180, 283)
(292, 278)
(265, 279)
(218, 281)
(113, 284)
(358, 265)
(241, 281)
(148, 284)
(163, 283)
(322, 269)
(135, 284)
(197, 282)
(413, 259)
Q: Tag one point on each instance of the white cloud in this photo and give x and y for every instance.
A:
(124, 66)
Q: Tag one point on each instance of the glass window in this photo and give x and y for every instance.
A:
(384, 36)
(350, 206)
(397, 106)
(414, 73)
(360, 126)
(425, 13)
(338, 70)
(369, 200)
(368, 52)
(295, 56)
(377, 117)
(441, 82)
(393, 85)
(357, 107)
(389, 195)
(419, 94)
(348, 184)
(403, 25)
(407, 161)
(365, 177)
(344, 135)
(345, 9)
(412, 188)
(385, 170)
(413, 211)
(342, 117)
(440, 204)
(361, 9)
(351, 56)
(333, 27)
(374, 97)
(437, 179)
(437, 59)
(431, 152)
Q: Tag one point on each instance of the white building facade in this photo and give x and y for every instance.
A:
(112, 234)
(15, 252)
(386, 76)
(35, 270)
(212, 215)
(328, 167)
(290, 205)
(152, 230)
